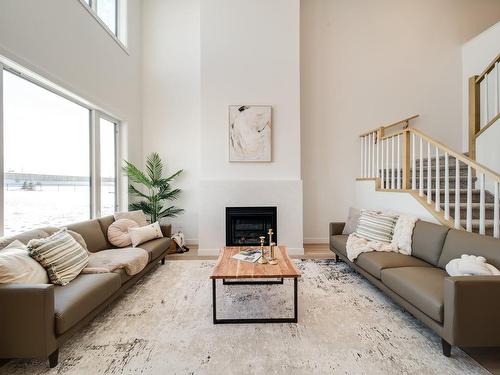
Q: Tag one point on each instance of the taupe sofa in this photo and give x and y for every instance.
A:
(464, 310)
(35, 320)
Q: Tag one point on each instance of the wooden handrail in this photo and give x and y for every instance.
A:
(487, 126)
(474, 164)
(488, 69)
(383, 128)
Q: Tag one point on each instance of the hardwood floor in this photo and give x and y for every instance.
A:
(489, 358)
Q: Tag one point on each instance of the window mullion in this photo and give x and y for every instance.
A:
(95, 162)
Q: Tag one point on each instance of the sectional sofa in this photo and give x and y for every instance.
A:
(37, 319)
(464, 310)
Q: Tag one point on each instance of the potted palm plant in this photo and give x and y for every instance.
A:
(154, 190)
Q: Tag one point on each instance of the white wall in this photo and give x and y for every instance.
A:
(365, 64)
(368, 197)
(171, 99)
(61, 41)
(477, 53)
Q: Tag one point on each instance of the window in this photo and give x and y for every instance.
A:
(48, 159)
(108, 13)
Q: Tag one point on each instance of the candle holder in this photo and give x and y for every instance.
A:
(272, 257)
(262, 259)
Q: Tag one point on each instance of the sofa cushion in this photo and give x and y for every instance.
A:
(421, 286)
(428, 240)
(376, 261)
(460, 242)
(92, 234)
(339, 243)
(74, 301)
(156, 247)
(105, 222)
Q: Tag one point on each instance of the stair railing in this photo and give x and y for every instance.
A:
(441, 178)
(484, 103)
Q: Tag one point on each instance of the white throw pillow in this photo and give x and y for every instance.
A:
(16, 266)
(138, 216)
(118, 232)
(143, 234)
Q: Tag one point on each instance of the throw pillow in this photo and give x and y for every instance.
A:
(352, 221)
(60, 255)
(143, 234)
(138, 216)
(118, 232)
(374, 226)
(16, 266)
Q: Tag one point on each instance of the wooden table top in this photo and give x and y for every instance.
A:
(228, 268)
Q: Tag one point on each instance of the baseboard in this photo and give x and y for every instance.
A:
(215, 252)
(316, 240)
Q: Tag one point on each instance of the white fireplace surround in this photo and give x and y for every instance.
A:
(216, 195)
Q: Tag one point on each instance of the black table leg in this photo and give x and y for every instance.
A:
(255, 320)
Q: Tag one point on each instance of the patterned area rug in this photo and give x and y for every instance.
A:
(163, 325)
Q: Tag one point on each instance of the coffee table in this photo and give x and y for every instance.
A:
(227, 268)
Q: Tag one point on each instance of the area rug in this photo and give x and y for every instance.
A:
(163, 325)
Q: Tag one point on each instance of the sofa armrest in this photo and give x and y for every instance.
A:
(166, 230)
(471, 306)
(336, 228)
(27, 320)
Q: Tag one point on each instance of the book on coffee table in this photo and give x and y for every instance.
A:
(245, 257)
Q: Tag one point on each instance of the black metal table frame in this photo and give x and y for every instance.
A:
(254, 320)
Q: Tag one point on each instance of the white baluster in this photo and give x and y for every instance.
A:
(469, 199)
(429, 173)
(482, 203)
(421, 174)
(382, 174)
(457, 194)
(398, 161)
(446, 187)
(387, 176)
(438, 182)
(413, 163)
(393, 170)
(374, 158)
(362, 160)
(369, 155)
(496, 220)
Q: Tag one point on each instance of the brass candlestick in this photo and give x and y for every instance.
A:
(262, 259)
(272, 258)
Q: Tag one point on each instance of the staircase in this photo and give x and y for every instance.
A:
(462, 184)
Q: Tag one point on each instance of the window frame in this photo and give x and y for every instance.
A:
(95, 114)
(120, 34)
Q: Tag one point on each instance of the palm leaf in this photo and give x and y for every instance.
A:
(154, 167)
(170, 212)
(133, 191)
(136, 175)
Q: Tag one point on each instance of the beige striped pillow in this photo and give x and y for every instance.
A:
(60, 255)
(374, 226)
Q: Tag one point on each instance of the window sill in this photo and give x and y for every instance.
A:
(104, 26)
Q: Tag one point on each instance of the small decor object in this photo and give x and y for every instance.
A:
(144, 234)
(272, 257)
(262, 259)
(250, 257)
(250, 133)
(180, 242)
(157, 188)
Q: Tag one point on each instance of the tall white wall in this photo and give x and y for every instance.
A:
(477, 53)
(61, 41)
(171, 99)
(366, 63)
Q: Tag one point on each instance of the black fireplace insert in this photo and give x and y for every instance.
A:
(244, 225)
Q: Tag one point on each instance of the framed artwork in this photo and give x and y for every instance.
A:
(250, 133)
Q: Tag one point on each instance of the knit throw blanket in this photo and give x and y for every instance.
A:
(401, 240)
(132, 259)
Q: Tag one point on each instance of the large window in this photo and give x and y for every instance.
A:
(49, 158)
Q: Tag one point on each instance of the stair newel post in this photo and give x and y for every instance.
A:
(474, 114)
(406, 159)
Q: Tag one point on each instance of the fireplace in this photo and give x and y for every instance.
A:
(244, 225)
